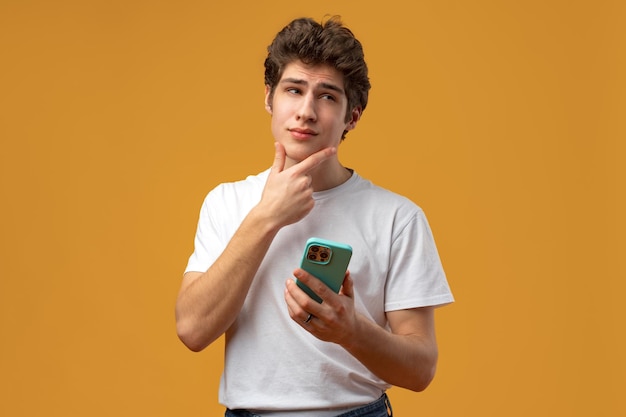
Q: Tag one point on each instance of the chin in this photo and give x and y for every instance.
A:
(299, 151)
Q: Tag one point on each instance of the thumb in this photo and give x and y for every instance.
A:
(279, 158)
(347, 288)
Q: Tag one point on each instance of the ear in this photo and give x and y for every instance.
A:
(268, 103)
(356, 116)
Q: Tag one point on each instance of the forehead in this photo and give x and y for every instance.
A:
(313, 75)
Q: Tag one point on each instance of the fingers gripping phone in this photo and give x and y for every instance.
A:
(327, 261)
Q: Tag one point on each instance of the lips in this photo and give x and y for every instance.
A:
(302, 133)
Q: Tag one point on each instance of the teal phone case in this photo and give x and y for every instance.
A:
(327, 261)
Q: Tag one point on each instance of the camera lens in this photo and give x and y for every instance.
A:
(315, 248)
(312, 256)
(323, 255)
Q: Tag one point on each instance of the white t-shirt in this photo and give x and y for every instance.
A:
(271, 363)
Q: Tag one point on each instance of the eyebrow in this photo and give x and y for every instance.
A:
(298, 81)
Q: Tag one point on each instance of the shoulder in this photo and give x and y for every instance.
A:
(234, 198)
(393, 213)
(248, 187)
(381, 198)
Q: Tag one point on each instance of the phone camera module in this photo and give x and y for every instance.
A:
(319, 254)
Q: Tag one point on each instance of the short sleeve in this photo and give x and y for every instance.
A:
(416, 276)
(207, 245)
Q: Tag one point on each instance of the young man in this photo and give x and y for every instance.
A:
(286, 354)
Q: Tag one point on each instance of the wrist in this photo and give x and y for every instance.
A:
(262, 221)
(354, 338)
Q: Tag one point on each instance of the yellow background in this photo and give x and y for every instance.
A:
(504, 120)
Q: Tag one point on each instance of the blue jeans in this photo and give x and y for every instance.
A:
(379, 408)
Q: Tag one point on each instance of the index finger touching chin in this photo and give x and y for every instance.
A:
(315, 159)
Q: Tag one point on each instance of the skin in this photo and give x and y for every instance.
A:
(308, 108)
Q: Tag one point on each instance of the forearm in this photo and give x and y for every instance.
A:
(209, 303)
(405, 360)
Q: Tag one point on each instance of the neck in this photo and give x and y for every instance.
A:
(329, 174)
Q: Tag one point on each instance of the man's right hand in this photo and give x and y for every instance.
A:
(288, 194)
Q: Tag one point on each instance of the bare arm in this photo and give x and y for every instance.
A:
(209, 302)
(405, 357)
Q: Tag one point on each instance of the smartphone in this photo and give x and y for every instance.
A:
(327, 261)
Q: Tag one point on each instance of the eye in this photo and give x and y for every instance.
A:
(293, 90)
(328, 97)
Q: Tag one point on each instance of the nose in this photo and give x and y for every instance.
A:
(307, 111)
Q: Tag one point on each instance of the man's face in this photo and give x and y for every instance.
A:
(308, 109)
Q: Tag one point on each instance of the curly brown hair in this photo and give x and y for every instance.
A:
(328, 43)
